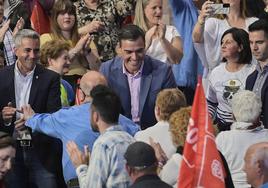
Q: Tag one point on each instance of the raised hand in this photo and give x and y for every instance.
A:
(95, 26)
(8, 112)
(159, 152)
(77, 157)
(149, 35)
(19, 26)
(4, 29)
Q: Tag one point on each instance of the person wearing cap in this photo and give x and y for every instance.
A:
(7, 154)
(141, 165)
(106, 166)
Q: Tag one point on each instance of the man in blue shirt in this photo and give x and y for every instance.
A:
(73, 123)
(106, 165)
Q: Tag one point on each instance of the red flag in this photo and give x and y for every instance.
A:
(201, 165)
(39, 19)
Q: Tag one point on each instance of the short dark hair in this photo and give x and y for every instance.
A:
(259, 25)
(6, 140)
(241, 38)
(106, 103)
(131, 32)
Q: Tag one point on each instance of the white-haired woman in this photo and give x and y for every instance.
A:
(245, 131)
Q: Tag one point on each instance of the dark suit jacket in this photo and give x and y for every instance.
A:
(251, 79)
(156, 76)
(149, 181)
(44, 97)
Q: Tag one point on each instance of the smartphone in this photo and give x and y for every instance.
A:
(221, 8)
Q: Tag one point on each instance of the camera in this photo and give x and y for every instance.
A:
(220, 8)
(24, 139)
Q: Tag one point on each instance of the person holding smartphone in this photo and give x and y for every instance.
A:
(209, 28)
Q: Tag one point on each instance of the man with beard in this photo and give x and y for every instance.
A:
(27, 82)
(258, 80)
(106, 166)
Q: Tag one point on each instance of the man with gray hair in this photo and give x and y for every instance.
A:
(245, 131)
(256, 165)
(27, 82)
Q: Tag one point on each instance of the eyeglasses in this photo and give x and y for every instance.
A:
(78, 86)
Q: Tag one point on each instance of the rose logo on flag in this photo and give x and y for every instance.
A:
(216, 169)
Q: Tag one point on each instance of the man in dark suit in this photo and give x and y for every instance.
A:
(27, 82)
(137, 78)
(258, 80)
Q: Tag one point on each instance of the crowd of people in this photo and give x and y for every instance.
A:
(96, 98)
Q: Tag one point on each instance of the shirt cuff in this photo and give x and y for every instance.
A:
(81, 169)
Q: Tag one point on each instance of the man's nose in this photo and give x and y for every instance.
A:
(134, 56)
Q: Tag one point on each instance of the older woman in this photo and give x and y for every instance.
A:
(208, 30)
(230, 76)
(178, 124)
(163, 42)
(54, 55)
(245, 131)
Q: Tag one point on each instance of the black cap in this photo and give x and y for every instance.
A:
(140, 154)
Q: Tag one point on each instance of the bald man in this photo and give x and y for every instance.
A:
(256, 165)
(73, 124)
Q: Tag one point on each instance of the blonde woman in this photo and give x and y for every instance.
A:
(163, 42)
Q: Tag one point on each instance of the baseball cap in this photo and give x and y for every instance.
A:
(140, 155)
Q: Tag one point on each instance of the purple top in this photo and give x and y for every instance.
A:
(134, 83)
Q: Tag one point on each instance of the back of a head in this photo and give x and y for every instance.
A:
(131, 32)
(246, 106)
(141, 156)
(178, 124)
(258, 152)
(168, 101)
(259, 25)
(6, 140)
(106, 103)
(25, 33)
(90, 80)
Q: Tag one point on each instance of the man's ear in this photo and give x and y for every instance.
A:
(81, 96)
(50, 61)
(15, 50)
(259, 165)
(96, 116)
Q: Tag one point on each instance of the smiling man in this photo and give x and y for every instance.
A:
(258, 80)
(137, 78)
(27, 82)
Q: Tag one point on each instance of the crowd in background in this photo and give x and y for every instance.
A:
(99, 93)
